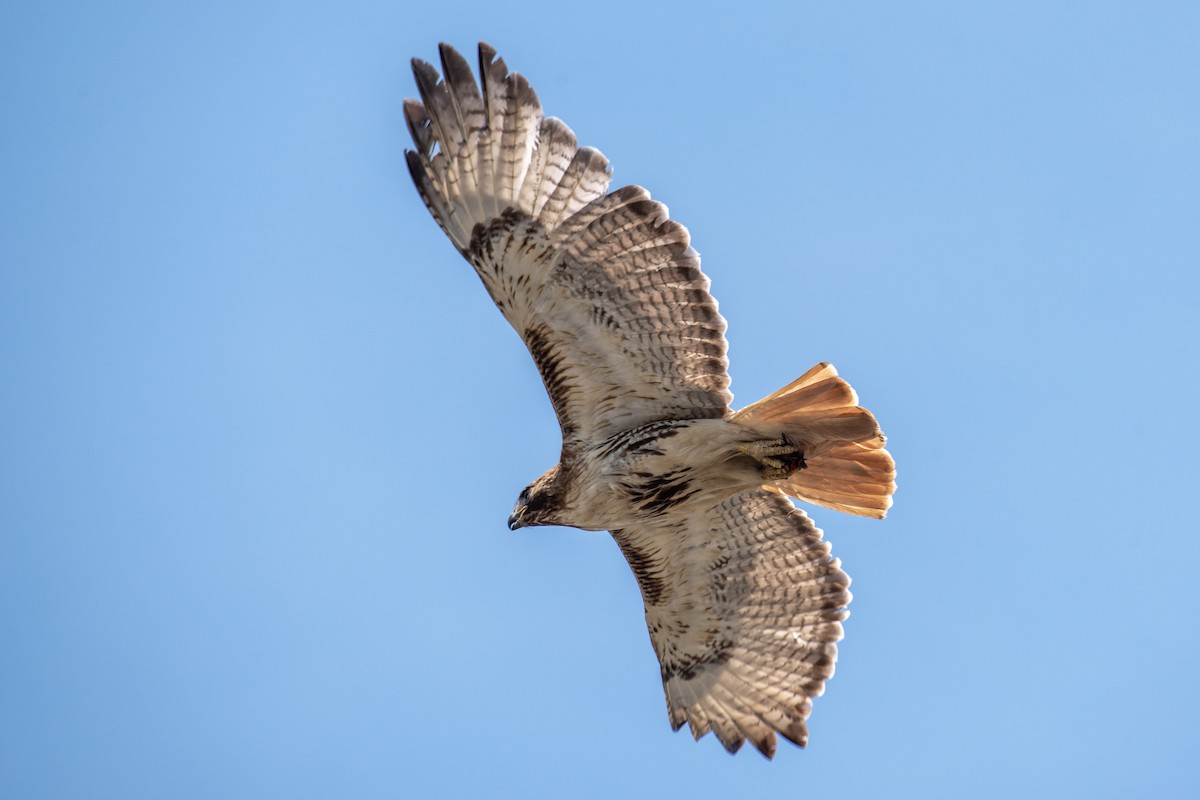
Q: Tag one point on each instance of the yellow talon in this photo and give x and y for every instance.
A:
(765, 452)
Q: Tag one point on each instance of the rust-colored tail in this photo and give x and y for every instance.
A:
(848, 469)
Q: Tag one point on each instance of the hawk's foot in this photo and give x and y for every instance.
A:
(779, 457)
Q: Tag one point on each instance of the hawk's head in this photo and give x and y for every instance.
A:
(540, 503)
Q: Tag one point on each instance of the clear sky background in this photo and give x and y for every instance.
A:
(261, 427)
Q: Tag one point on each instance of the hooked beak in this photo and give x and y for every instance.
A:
(515, 520)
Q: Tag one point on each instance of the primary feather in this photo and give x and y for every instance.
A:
(743, 602)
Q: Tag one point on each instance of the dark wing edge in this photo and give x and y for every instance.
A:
(745, 621)
(605, 289)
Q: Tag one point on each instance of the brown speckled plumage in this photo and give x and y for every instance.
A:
(743, 602)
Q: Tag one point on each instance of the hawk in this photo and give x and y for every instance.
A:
(743, 601)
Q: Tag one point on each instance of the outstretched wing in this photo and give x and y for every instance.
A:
(604, 288)
(744, 606)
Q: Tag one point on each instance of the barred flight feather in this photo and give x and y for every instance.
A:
(744, 603)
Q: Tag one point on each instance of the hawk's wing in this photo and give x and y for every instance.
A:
(604, 288)
(744, 606)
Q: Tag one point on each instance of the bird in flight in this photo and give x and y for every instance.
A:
(743, 601)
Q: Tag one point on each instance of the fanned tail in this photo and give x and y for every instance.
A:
(482, 149)
(847, 467)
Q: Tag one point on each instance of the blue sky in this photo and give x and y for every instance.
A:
(261, 427)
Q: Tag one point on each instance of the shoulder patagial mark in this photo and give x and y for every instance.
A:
(551, 366)
(646, 568)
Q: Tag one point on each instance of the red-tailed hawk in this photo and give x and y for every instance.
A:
(743, 601)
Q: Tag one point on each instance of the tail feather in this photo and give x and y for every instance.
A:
(848, 424)
(819, 388)
(847, 467)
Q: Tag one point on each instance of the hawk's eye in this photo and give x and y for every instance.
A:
(742, 599)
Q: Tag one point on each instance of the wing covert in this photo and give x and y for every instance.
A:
(603, 287)
(744, 605)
